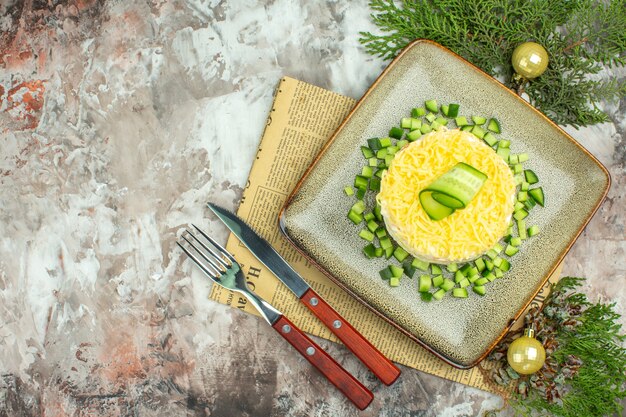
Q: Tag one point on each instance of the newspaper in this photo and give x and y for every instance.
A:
(300, 122)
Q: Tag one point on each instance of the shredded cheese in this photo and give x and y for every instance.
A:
(468, 232)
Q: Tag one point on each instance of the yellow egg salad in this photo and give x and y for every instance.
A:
(465, 234)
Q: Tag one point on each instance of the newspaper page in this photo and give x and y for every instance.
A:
(301, 120)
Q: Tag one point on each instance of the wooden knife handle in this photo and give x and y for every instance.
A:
(339, 377)
(378, 363)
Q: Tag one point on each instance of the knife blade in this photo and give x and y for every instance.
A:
(380, 365)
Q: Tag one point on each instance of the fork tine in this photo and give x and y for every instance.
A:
(219, 247)
(218, 258)
(197, 261)
(218, 267)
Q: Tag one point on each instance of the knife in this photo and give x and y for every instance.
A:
(382, 367)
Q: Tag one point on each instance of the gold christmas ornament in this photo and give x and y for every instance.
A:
(526, 354)
(530, 60)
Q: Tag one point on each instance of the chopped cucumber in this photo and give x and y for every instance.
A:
(367, 235)
(400, 254)
(521, 229)
(360, 193)
(426, 128)
(415, 124)
(414, 135)
(481, 281)
(537, 195)
(385, 273)
(426, 296)
(511, 250)
(430, 117)
(461, 121)
(381, 153)
(396, 271)
(409, 270)
(480, 264)
(402, 143)
(385, 243)
(438, 295)
(377, 213)
(360, 182)
(418, 112)
(394, 282)
(503, 152)
(447, 285)
(367, 152)
(494, 125)
(421, 265)
(488, 264)
(432, 105)
(379, 252)
(367, 171)
(523, 157)
(459, 293)
(479, 289)
(522, 196)
(516, 241)
(370, 251)
(372, 225)
(453, 110)
(505, 265)
(355, 217)
(452, 267)
(396, 132)
(385, 142)
(478, 131)
(467, 128)
(533, 231)
(459, 276)
(348, 190)
(479, 120)
(358, 207)
(374, 144)
(504, 144)
(405, 123)
(435, 269)
(531, 177)
(375, 184)
(425, 283)
(444, 109)
(464, 282)
(490, 139)
(520, 214)
(437, 281)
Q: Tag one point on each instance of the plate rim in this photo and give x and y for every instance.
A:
(326, 146)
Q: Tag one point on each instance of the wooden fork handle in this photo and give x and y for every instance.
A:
(378, 363)
(339, 377)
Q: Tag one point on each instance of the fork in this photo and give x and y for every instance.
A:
(219, 265)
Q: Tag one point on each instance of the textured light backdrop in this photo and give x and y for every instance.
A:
(118, 121)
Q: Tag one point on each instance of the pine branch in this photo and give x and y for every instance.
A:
(580, 35)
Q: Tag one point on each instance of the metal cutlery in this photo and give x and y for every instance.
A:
(219, 265)
(382, 367)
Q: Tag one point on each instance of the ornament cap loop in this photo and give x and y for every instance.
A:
(529, 332)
